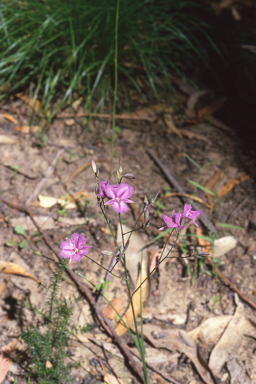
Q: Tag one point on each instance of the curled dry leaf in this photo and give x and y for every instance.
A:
(9, 117)
(210, 184)
(176, 339)
(34, 104)
(6, 354)
(230, 185)
(170, 124)
(15, 269)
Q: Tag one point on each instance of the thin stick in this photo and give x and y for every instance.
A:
(203, 218)
(44, 179)
(107, 116)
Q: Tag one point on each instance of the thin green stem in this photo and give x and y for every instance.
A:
(115, 89)
(139, 341)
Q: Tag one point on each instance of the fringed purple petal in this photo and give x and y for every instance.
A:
(124, 191)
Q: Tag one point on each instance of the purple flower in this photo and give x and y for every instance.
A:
(102, 187)
(119, 195)
(173, 222)
(75, 248)
(188, 214)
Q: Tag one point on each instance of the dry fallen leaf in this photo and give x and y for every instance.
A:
(176, 339)
(238, 372)
(210, 184)
(27, 128)
(15, 269)
(49, 201)
(210, 109)
(170, 124)
(6, 354)
(210, 330)
(7, 140)
(111, 379)
(35, 104)
(109, 312)
(230, 185)
(138, 297)
(206, 245)
(9, 117)
(231, 338)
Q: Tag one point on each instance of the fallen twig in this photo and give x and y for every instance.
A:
(86, 292)
(106, 116)
(44, 179)
(203, 218)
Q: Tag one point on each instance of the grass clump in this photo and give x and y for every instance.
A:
(61, 47)
(47, 350)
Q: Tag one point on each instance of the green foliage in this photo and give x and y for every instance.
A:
(47, 349)
(62, 47)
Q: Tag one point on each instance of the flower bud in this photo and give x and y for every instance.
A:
(129, 176)
(155, 197)
(94, 166)
(107, 253)
(146, 214)
(146, 201)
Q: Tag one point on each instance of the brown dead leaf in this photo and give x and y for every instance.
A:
(9, 117)
(210, 330)
(170, 124)
(211, 108)
(230, 185)
(210, 184)
(175, 339)
(230, 340)
(111, 379)
(109, 312)
(34, 104)
(138, 297)
(27, 128)
(193, 135)
(206, 245)
(193, 99)
(15, 269)
(7, 140)
(6, 354)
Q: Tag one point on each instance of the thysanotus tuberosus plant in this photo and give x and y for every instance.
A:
(48, 349)
(58, 48)
(118, 196)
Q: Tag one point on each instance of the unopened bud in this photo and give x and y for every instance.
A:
(97, 174)
(147, 224)
(94, 166)
(146, 200)
(155, 197)
(107, 253)
(129, 176)
(146, 214)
